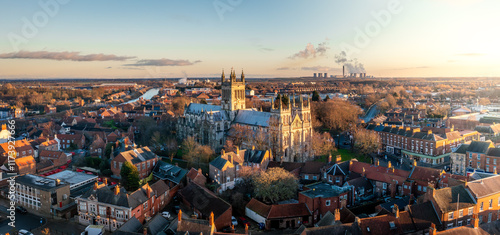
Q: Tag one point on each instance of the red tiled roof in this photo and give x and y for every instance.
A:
(288, 210)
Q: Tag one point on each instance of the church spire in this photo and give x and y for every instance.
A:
(223, 77)
(233, 75)
(242, 76)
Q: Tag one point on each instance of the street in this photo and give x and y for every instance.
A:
(27, 221)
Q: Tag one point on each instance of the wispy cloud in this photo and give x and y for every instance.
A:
(471, 54)
(284, 68)
(163, 62)
(64, 55)
(310, 51)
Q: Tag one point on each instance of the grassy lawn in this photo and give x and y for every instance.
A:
(346, 155)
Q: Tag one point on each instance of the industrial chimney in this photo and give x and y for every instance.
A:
(343, 71)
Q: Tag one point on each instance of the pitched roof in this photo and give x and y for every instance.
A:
(388, 224)
(138, 155)
(312, 167)
(479, 146)
(105, 194)
(462, 149)
(288, 166)
(288, 210)
(426, 174)
(425, 211)
(159, 187)
(253, 118)
(494, 152)
(196, 176)
(485, 187)
(193, 193)
(166, 171)
(51, 154)
(447, 198)
(258, 207)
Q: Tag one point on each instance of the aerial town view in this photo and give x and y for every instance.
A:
(362, 117)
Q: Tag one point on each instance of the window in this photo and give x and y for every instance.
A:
(314, 177)
(487, 160)
(450, 215)
(499, 201)
(491, 203)
(120, 165)
(384, 185)
(494, 161)
(327, 203)
(337, 180)
(460, 213)
(93, 208)
(470, 212)
(102, 210)
(306, 177)
(143, 166)
(459, 223)
(470, 155)
(481, 208)
(83, 206)
(145, 205)
(419, 188)
(324, 175)
(114, 164)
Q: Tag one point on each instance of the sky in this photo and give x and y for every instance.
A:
(188, 38)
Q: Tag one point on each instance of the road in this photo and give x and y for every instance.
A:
(23, 221)
(371, 113)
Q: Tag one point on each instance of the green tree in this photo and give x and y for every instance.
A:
(129, 177)
(315, 96)
(326, 98)
(366, 141)
(275, 184)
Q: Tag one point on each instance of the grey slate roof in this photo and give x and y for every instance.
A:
(254, 156)
(193, 193)
(157, 224)
(219, 162)
(131, 226)
(479, 147)
(166, 171)
(253, 118)
(462, 149)
(494, 152)
(323, 190)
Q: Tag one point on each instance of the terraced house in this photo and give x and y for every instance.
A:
(112, 206)
(425, 146)
(142, 158)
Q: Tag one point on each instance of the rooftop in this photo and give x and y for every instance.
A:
(38, 182)
(72, 177)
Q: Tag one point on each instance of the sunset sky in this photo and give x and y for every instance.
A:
(169, 39)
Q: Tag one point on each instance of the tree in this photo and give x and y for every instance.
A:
(315, 96)
(390, 100)
(335, 115)
(229, 146)
(192, 151)
(484, 101)
(326, 98)
(366, 141)
(322, 144)
(275, 184)
(129, 177)
(239, 134)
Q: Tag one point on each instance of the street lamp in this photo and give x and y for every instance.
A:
(338, 140)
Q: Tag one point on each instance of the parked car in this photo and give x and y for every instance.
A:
(24, 232)
(166, 214)
(21, 210)
(244, 221)
(234, 221)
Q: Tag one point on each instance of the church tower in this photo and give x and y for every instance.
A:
(233, 91)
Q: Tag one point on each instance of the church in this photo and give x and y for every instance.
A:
(287, 127)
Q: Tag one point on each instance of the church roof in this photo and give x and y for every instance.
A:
(254, 118)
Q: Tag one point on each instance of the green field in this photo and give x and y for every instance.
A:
(346, 155)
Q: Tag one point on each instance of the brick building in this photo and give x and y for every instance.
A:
(142, 158)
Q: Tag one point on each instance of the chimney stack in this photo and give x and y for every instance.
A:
(363, 174)
(330, 158)
(414, 162)
(95, 185)
(432, 230)
(145, 230)
(237, 150)
(246, 228)
(377, 163)
(117, 189)
(148, 191)
(396, 211)
(475, 221)
(223, 152)
(212, 223)
(200, 171)
(337, 215)
(389, 164)
(105, 181)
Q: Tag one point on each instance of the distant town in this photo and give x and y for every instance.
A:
(339, 154)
